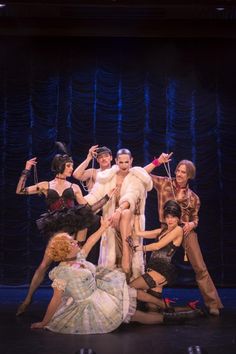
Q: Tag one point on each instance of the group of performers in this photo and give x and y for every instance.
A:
(89, 299)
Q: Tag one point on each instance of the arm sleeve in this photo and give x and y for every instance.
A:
(194, 215)
(98, 205)
(59, 284)
(96, 194)
(134, 190)
(158, 181)
(21, 189)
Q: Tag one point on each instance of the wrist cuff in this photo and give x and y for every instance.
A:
(25, 173)
(156, 162)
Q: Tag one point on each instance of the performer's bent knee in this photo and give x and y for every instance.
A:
(126, 213)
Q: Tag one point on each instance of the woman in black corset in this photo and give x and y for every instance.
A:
(68, 211)
(160, 269)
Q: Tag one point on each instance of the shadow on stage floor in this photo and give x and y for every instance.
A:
(214, 335)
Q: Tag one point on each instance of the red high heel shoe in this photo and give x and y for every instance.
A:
(193, 306)
(167, 302)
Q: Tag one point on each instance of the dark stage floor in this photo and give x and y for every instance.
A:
(214, 335)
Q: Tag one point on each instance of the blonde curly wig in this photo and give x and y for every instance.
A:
(59, 247)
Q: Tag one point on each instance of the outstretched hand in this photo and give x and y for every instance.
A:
(92, 151)
(30, 163)
(105, 223)
(115, 219)
(165, 157)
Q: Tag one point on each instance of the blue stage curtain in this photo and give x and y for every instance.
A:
(147, 95)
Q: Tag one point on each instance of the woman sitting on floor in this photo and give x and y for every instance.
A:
(89, 301)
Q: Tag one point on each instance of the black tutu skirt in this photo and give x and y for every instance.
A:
(69, 220)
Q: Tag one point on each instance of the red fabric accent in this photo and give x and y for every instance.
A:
(61, 203)
(156, 162)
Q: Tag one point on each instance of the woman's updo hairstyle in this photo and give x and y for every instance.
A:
(59, 161)
(171, 207)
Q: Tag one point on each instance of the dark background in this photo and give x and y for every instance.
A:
(149, 76)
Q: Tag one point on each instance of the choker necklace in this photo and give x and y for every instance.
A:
(64, 178)
(70, 259)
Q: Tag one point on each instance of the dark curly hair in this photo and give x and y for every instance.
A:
(171, 207)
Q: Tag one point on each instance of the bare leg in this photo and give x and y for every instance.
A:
(125, 231)
(147, 317)
(145, 297)
(35, 282)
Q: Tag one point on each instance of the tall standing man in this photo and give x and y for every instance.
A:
(131, 184)
(177, 188)
(87, 177)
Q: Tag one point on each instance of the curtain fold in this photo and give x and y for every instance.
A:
(147, 95)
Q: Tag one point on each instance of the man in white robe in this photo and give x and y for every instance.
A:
(132, 185)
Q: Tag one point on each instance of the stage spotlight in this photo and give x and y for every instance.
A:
(196, 349)
(85, 351)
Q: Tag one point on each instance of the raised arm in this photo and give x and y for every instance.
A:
(174, 235)
(163, 158)
(81, 172)
(34, 189)
(105, 223)
(96, 205)
(52, 307)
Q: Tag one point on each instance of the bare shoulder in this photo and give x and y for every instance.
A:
(43, 185)
(179, 230)
(76, 188)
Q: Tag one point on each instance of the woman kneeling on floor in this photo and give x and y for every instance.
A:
(160, 269)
